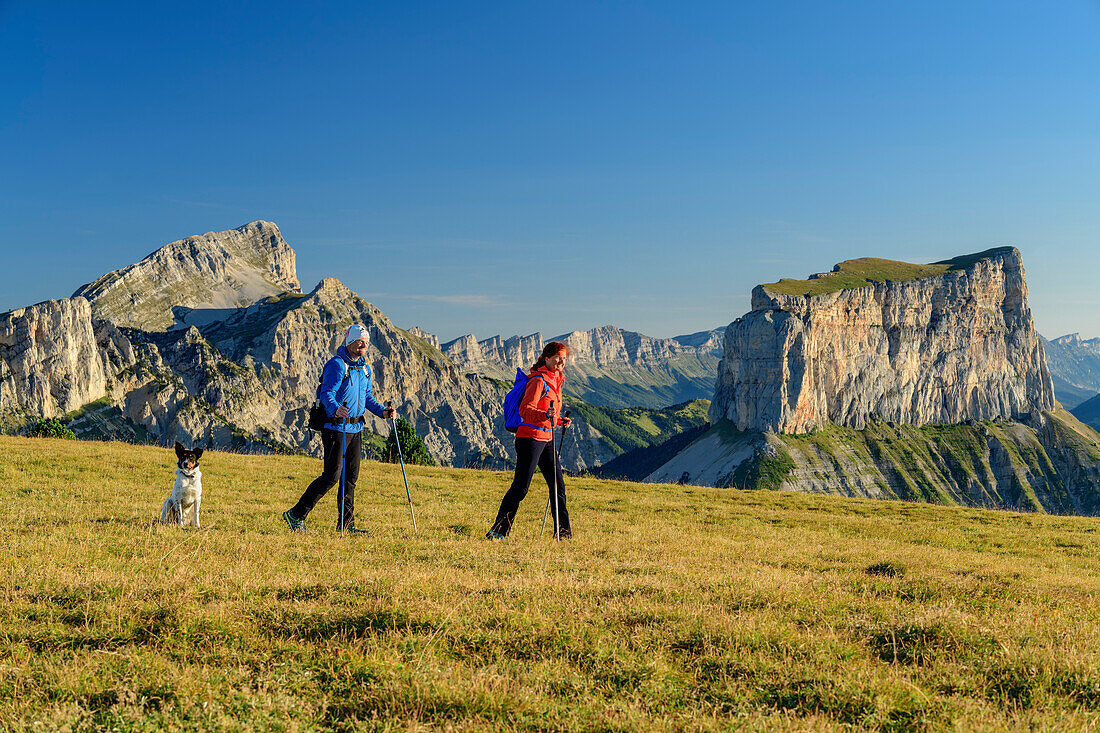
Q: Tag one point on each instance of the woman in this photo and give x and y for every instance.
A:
(535, 440)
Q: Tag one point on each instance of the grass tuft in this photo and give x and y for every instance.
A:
(887, 569)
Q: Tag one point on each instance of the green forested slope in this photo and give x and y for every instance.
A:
(626, 429)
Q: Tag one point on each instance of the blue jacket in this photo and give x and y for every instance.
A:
(354, 391)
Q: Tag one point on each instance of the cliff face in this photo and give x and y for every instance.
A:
(494, 356)
(213, 271)
(955, 345)
(50, 360)
(895, 381)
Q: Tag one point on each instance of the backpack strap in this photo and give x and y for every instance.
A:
(347, 371)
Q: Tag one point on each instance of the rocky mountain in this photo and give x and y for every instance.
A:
(51, 363)
(891, 380)
(942, 343)
(610, 367)
(196, 279)
(1075, 368)
(210, 340)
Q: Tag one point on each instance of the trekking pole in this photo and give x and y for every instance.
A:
(401, 455)
(546, 513)
(343, 464)
(554, 481)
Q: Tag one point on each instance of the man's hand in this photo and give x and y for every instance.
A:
(566, 422)
(342, 411)
(389, 413)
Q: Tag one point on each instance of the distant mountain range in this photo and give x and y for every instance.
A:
(608, 366)
(1074, 365)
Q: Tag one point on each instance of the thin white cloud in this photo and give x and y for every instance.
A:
(470, 300)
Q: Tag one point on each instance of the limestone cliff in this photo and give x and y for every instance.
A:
(423, 335)
(494, 356)
(49, 359)
(941, 343)
(200, 276)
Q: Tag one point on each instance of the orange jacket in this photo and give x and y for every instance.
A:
(536, 401)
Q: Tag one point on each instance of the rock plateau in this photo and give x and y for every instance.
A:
(886, 379)
(955, 345)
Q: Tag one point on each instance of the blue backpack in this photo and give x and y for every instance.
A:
(512, 420)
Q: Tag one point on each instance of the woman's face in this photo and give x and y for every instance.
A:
(556, 363)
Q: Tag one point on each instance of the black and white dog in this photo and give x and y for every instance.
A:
(183, 503)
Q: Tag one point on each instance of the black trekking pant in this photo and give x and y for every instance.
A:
(531, 453)
(330, 476)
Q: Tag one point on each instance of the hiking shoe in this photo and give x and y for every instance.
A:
(295, 524)
(492, 534)
(356, 530)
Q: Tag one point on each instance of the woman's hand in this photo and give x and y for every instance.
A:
(342, 411)
(566, 422)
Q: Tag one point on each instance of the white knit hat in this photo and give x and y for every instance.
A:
(355, 333)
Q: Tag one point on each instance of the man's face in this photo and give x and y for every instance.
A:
(357, 348)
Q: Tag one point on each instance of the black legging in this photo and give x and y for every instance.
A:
(529, 454)
(330, 477)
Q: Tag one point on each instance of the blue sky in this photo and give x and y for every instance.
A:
(518, 166)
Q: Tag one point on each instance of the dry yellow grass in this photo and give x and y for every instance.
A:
(674, 608)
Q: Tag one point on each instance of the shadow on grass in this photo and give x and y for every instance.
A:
(317, 626)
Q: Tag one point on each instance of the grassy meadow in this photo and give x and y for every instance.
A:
(864, 271)
(673, 608)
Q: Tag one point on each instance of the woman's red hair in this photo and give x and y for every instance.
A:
(551, 349)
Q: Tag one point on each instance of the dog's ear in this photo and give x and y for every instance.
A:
(198, 453)
(179, 448)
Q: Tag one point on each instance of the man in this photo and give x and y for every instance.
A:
(345, 392)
